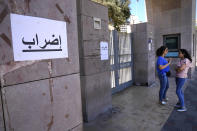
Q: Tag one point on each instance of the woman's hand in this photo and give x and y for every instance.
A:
(179, 69)
(164, 66)
(169, 60)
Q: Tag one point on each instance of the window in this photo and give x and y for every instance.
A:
(173, 44)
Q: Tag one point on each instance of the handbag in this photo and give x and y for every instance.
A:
(168, 74)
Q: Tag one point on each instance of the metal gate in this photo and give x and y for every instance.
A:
(121, 60)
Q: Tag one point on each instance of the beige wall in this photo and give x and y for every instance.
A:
(95, 73)
(143, 54)
(46, 94)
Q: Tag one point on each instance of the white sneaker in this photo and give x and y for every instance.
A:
(182, 109)
(166, 99)
(162, 102)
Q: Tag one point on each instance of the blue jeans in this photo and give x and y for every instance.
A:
(164, 85)
(179, 84)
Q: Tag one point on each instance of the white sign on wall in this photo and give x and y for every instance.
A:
(149, 46)
(36, 38)
(104, 50)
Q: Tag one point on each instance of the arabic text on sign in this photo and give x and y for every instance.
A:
(56, 41)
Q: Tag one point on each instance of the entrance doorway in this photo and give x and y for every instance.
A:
(121, 61)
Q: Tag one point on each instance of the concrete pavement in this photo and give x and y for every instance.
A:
(136, 109)
(185, 121)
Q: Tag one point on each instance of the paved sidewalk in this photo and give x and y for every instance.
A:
(185, 121)
(136, 109)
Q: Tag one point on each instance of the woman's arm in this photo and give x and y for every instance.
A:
(179, 69)
(164, 66)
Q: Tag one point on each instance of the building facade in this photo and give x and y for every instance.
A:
(174, 26)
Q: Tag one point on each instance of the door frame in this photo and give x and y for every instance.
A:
(117, 65)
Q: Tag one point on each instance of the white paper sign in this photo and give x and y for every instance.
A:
(149, 46)
(36, 38)
(104, 50)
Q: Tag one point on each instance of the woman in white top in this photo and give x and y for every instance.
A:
(181, 75)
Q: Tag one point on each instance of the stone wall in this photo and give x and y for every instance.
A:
(95, 73)
(40, 95)
(144, 54)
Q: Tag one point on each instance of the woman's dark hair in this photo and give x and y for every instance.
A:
(160, 50)
(186, 54)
